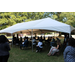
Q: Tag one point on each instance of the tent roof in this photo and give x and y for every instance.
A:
(41, 25)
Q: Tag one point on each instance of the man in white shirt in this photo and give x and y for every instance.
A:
(39, 46)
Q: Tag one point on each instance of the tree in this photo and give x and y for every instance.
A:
(68, 18)
(10, 18)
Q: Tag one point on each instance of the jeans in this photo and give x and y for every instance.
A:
(51, 44)
(4, 58)
(38, 48)
(22, 45)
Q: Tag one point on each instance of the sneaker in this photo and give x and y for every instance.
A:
(36, 50)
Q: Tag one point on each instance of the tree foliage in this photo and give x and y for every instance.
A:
(68, 18)
(10, 18)
(65, 17)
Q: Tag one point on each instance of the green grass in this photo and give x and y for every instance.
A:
(17, 55)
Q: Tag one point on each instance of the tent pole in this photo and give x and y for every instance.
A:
(44, 36)
(32, 39)
(70, 32)
(54, 34)
(69, 35)
(12, 39)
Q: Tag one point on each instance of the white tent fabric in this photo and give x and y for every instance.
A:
(42, 25)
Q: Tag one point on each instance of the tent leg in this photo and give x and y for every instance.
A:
(54, 34)
(12, 39)
(44, 36)
(69, 35)
(32, 39)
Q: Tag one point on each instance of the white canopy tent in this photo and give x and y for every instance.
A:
(39, 26)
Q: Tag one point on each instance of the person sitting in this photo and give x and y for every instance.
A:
(34, 41)
(53, 41)
(39, 46)
(40, 38)
(57, 39)
(24, 44)
(49, 39)
(20, 40)
(55, 48)
(14, 39)
(17, 40)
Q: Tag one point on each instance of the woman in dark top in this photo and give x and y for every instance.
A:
(4, 49)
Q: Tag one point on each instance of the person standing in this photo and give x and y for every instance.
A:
(69, 52)
(4, 49)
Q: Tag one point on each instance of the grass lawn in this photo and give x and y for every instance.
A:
(17, 55)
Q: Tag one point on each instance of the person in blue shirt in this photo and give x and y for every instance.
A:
(52, 42)
(25, 44)
(69, 52)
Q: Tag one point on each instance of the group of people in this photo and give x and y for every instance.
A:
(69, 52)
(55, 46)
(17, 40)
(38, 45)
